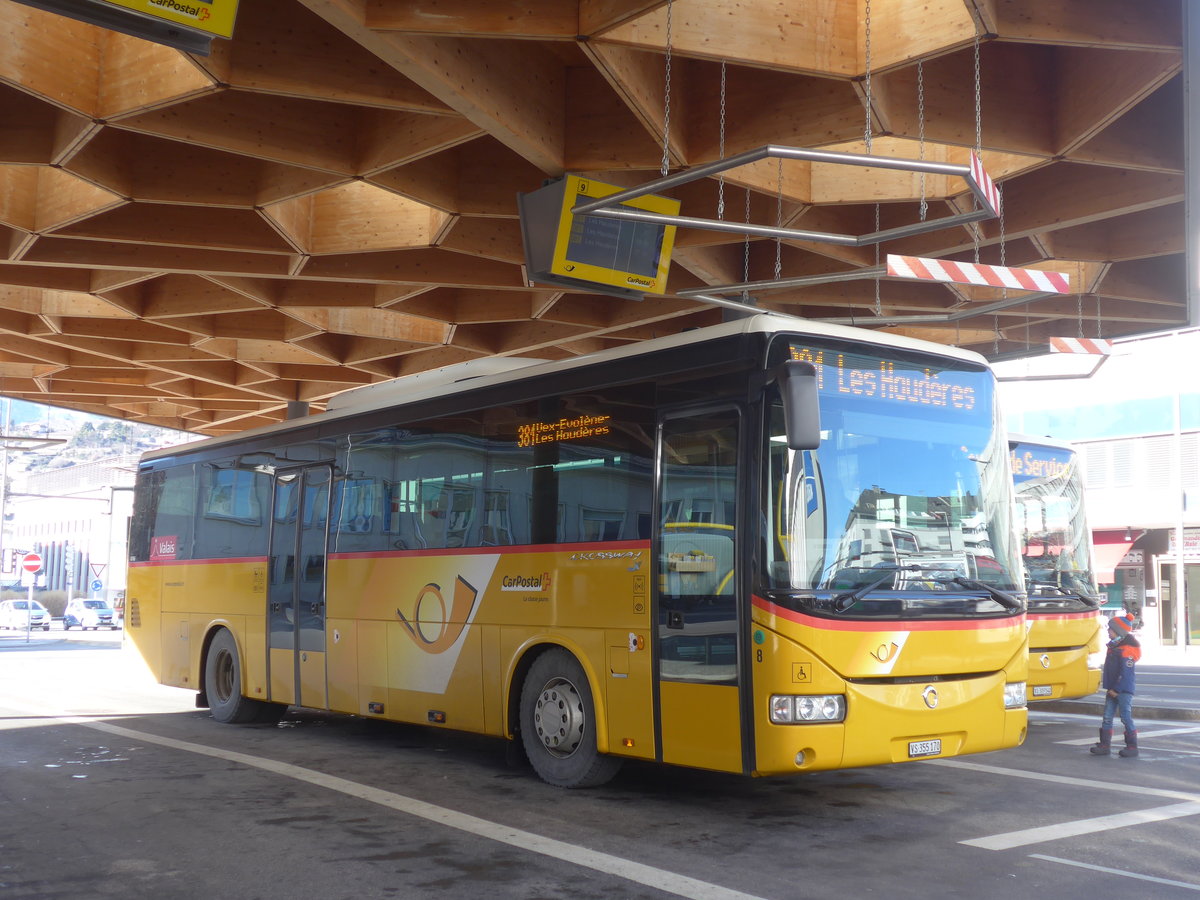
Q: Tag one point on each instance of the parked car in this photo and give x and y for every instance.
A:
(87, 614)
(19, 615)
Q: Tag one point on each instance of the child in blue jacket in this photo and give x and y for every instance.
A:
(1118, 682)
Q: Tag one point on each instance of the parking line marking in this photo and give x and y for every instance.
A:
(606, 863)
(1167, 732)
(1066, 779)
(1083, 826)
(1121, 872)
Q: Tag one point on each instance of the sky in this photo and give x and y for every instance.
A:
(1133, 392)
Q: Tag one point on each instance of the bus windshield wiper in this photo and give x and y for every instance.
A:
(1043, 587)
(1065, 597)
(1042, 592)
(844, 601)
(1004, 599)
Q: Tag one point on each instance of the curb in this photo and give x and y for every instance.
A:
(1087, 707)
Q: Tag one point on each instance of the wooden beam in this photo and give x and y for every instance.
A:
(823, 42)
(539, 19)
(511, 89)
(416, 267)
(1094, 88)
(311, 59)
(638, 78)
(489, 238)
(1091, 23)
(304, 133)
(1138, 235)
(1148, 136)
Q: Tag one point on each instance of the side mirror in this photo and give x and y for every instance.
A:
(801, 409)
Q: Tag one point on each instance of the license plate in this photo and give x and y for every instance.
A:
(924, 748)
(1042, 690)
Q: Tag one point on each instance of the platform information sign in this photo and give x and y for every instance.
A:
(210, 16)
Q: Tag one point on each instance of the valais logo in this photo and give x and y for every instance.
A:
(163, 547)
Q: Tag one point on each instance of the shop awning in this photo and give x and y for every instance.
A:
(1108, 554)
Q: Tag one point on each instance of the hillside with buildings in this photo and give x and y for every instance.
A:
(66, 493)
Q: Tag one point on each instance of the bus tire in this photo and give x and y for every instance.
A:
(558, 723)
(223, 684)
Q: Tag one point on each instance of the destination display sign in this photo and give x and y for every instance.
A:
(888, 380)
(1030, 461)
(572, 429)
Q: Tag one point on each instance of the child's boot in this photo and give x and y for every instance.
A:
(1105, 746)
(1131, 748)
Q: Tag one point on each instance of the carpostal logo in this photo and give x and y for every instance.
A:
(197, 9)
(640, 282)
(526, 582)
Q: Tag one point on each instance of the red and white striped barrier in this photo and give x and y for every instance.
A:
(924, 269)
(1094, 346)
(984, 180)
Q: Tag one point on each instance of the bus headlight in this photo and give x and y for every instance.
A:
(787, 709)
(1014, 695)
(1096, 660)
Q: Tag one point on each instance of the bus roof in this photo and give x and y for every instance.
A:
(1040, 441)
(485, 372)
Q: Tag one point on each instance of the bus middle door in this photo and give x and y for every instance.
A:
(296, 589)
(697, 635)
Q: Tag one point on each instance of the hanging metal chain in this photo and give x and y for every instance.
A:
(1099, 332)
(867, 77)
(978, 101)
(996, 335)
(779, 219)
(746, 252)
(666, 154)
(1079, 310)
(921, 131)
(1003, 239)
(721, 177)
(878, 306)
(977, 229)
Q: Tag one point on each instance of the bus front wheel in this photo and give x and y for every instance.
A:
(223, 685)
(558, 723)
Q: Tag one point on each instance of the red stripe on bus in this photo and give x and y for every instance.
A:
(608, 547)
(1093, 614)
(885, 625)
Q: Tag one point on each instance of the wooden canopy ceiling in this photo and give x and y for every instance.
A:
(329, 198)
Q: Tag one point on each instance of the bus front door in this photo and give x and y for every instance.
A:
(296, 587)
(697, 635)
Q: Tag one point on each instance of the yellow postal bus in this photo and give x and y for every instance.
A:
(1056, 545)
(764, 547)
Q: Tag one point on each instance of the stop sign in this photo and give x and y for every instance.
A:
(31, 562)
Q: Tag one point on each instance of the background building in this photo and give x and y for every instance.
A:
(67, 494)
(1136, 424)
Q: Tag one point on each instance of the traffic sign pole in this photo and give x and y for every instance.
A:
(31, 563)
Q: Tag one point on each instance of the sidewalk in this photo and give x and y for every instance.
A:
(1152, 655)
(1157, 655)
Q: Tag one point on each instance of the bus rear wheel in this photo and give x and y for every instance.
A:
(558, 724)
(223, 686)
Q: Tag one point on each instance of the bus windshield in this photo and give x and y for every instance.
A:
(1054, 536)
(908, 495)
